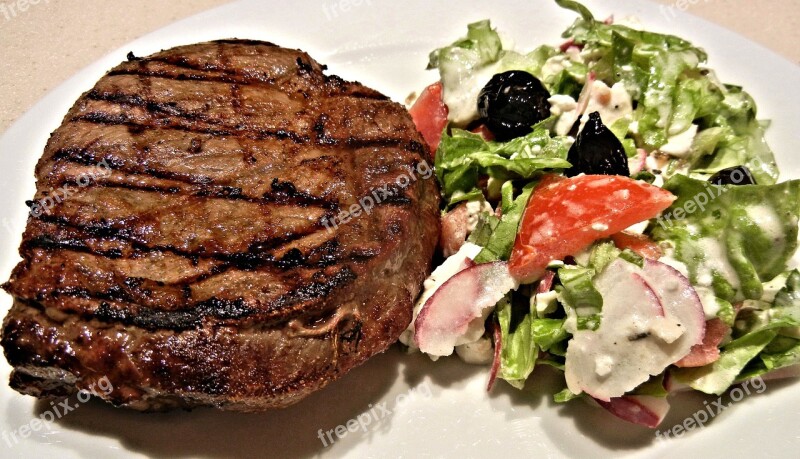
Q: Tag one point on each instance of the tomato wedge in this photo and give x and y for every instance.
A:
(565, 215)
(639, 243)
(430, 115)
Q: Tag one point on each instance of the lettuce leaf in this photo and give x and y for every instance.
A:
(782, 352)
(732, 238)
(720, 375)
(499, 244)
(782, 316)
(738, 139)
(758, 348)
(518, 353)
(548, 332)
(463, 157)
(579, 294)
(566, 396)
(481, 46)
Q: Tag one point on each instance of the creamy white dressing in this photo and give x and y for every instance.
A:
(675, 263)
(612, 104)
(461, 91)
(711, 306)
(769, 222)
(680, 145)
(544, 303)
(715, 259)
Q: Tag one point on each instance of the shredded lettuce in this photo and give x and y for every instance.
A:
(653, 387)
(501, 240)
(782, 352)
(718, 377)
(782, 317)
(566, 395)
(602, 254)
(466, 65)
(481, 46)
(732, 137)
(548, 332)
(580, 295)
(666, 76)
(732, 238)
(463, 157)
(759, 346)
(519, 352)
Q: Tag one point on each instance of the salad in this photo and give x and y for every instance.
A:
(613, 211)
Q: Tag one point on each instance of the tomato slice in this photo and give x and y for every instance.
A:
(430, 115)
(565, 215)
(484, 132)
(639, 243)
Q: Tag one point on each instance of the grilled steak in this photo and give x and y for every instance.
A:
(188, 239)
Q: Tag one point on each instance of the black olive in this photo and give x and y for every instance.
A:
(512, 102)
(597, 151)
(739, 175)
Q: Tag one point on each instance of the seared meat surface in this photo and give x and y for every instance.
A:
(186, 239)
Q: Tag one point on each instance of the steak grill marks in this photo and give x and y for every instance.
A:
(141, 112)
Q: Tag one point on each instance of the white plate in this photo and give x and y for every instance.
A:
(385, 45)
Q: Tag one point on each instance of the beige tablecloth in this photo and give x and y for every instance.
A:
(44, 42)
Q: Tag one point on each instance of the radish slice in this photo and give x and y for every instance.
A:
(651, 318)
(638, 163)
(454, 264)
(678, 298)
(456, 312)
(643, 410)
